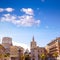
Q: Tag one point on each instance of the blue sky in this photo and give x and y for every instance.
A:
(21, 19)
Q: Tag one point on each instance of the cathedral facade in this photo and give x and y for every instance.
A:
(36, 51)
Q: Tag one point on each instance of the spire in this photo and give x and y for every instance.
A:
(33, 38)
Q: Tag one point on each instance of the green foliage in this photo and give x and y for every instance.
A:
(27, 57)
(7, 55)
(55, 54)
(42, 56)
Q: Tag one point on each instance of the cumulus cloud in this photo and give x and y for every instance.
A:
(1, 9)
(26, 19)
(7, 18)
(9, 9)
(28, 11)
(6, 9)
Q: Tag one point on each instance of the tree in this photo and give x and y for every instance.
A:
(2, 52)
(27, 57)
(55, 55)
(42, 56)
(7, 55)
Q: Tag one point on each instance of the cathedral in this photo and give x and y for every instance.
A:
(36, 51)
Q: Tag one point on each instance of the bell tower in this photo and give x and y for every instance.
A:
(33, 48)
(7, 42)
(33, 43)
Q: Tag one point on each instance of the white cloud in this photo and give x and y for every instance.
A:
(27, 20)
(7, 18)
(1, 9)
(6, 9)
(9, 9)
(22, 45)
(28, 11)
(24, 20)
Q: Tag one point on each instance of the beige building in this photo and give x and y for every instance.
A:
(54, 47)
(41, 50)
(8, 51)
(16, 52)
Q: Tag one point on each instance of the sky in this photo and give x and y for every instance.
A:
(23, 19)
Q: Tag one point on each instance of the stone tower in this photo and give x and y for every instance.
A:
(7, 42)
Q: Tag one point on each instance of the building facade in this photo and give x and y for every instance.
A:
(36, 51)
(10, 52)
(54, 47)
(7, 42)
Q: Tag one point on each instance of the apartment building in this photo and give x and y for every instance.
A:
(54, 46)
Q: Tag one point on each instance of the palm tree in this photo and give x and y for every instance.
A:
(7, 55)
(22, 57)
(27, 57)
(2, 51)
(55, 55)
(42, 56)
